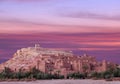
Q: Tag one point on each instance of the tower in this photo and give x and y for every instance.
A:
(104, 65)
(37, 46)
(85, 54)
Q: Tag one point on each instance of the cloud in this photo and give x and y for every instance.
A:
(14, 25)
(91, 15)
(77, 40)
(24, 0)
(99, 44)
(98, 49)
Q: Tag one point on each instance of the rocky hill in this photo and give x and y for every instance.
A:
(26, 57)
(52, 61)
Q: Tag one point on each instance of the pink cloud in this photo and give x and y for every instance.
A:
(103, 43)
(80, 37)
(86, 49)
(97, 49)
(30, 28)
(81, 41)
(13, 25)
(91, 15)
(97, 44)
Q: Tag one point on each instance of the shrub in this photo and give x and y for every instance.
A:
(75, 75)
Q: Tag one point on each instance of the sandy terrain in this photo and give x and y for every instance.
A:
(65, 82)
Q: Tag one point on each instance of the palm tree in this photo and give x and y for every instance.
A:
(58, 72)
(50, 70)
(85, 68)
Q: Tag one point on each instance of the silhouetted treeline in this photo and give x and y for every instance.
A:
(34, 73)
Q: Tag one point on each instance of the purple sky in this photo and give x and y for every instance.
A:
(83, 26)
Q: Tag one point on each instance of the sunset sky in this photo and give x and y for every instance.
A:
(83, 26)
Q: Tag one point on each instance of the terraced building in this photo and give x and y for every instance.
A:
(52, 61)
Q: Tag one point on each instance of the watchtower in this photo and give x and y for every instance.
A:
(37, 46)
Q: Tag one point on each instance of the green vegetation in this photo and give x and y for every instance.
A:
(37, 74)
(107, 74)
(111, 73)
(76, 75)
(32, 74)
(85, 68)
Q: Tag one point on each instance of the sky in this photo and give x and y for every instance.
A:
(83, 26)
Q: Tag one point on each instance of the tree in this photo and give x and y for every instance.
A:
(7, 73)
(50, 70)
(75, 75)
(58, 72)
(85, 68)
(116, 72)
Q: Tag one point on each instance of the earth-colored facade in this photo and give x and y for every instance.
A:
(53, 61)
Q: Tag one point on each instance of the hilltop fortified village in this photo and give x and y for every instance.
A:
(51, 61)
